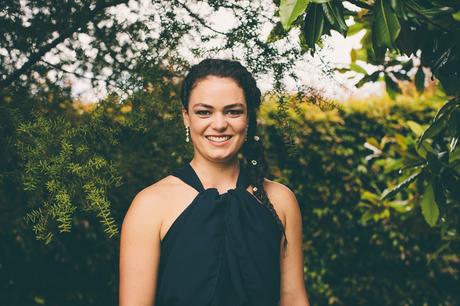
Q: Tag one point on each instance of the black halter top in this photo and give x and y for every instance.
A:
(222, 250)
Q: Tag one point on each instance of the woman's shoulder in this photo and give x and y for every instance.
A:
(152, 201)
(282, 197)
(278, 190)
(157, 192)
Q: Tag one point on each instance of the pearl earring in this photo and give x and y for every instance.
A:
(187, 134)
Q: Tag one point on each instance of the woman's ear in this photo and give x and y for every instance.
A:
(185, 117)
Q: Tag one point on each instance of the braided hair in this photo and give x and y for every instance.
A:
(252, 150)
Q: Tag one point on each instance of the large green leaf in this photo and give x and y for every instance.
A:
(334, 14)
(290, 10)
(429, 207)
(313, 25)
(386, 24)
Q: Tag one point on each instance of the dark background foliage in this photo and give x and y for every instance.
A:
(377, 180)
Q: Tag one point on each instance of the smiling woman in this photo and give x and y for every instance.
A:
(215, 231)
(217, 124)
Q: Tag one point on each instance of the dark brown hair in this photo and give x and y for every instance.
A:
(252, 149)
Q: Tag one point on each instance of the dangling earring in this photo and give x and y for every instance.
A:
(246, 136)
(187, 134)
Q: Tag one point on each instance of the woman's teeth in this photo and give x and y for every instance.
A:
(218, 139)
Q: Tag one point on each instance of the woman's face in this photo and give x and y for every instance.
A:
(217, 117)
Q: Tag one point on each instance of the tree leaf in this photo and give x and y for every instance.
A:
(368, 78)
(386, 24)
(391, 86)
(276, 33)
(355, 28)
(388, 193)
(313, 25)
(420, 79)
(434, 129)
(456, 16)
(334, 14)
(430, 210)
(416, 128)
(290, 10)
(357, 68)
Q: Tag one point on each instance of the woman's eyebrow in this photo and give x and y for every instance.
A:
(225, 107)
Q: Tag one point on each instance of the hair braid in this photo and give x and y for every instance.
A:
(254, 150)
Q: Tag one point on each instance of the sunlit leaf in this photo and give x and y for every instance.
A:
(416, 128)
(357, 68)
(429, 207)
(290, 10)
(388, 193)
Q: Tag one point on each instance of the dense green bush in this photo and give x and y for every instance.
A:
(360, 250)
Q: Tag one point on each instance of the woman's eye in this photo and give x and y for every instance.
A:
(202, 112)
(235, 112)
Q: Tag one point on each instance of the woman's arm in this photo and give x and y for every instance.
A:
(140, 251)
(293, 292)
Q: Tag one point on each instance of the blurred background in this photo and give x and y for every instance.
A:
(360, 118)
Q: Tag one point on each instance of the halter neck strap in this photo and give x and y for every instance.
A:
(187, 174)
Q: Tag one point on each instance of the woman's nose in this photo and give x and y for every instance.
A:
(219, 121)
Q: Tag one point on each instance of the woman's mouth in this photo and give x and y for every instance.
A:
(218, 140)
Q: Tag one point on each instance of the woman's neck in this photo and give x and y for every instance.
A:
(220, 175)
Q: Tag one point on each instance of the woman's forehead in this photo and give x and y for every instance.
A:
(217, 92)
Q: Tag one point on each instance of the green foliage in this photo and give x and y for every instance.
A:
(427, 32)
(429, 208)
(361, 249)
(392, 28)
(61, 165)
(436, 167)
(290, 10)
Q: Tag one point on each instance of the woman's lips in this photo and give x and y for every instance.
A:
(218, 142)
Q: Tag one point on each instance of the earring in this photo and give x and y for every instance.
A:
(246, 136)
(187, 134)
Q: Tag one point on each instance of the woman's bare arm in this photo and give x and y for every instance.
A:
(140, 250)
(293, 292)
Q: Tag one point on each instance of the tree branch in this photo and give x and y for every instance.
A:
(35, 57)
(199, 19)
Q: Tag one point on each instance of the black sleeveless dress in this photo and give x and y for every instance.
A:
(222, 250)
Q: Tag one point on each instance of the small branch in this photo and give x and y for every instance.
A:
(199, 19)
(80, 75)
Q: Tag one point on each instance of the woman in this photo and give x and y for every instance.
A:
(216, 231)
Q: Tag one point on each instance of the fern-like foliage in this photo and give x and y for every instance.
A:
(61, 174)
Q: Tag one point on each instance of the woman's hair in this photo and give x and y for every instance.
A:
(252, 149)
